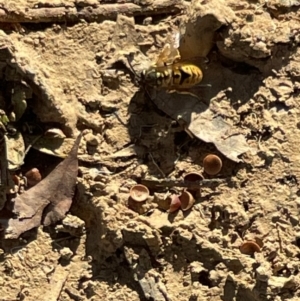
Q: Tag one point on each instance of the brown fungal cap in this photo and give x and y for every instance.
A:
(193, 177)
(249, 247)
(175, 203)
(33, 176)
(187, 200)
(139, 193)
(212, 164)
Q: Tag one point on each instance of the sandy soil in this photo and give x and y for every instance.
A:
(106, 249)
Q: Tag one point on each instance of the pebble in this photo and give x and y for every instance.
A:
(91, 139)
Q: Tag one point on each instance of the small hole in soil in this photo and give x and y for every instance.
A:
(155, 19)
(237, 67)
(180, 138)
(35, 27)
(284, 272)
(119, 252)
(246, 206)
(280, 106)
(203, 278)
(119, 65)
(114, 197)
(288, 179)
(298, 242)
(109, 259)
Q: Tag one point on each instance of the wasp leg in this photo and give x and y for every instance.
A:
(148, 94)
(155, 106)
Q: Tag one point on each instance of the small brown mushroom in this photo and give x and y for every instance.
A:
(193, 180)
(33, 176)
(187, 200)
(212, 164)
(139, 193)
(193, 177)
(175, 203)
(249, 247)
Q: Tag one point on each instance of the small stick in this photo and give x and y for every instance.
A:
(30, 145)
(57, 282)
(89, 13)
(279, 238)
(180, 183)
(162, 173)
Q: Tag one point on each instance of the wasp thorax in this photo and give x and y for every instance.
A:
(151, 76)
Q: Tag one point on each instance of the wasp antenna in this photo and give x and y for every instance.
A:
(132, 69)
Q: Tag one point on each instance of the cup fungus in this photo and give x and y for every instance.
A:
(175, 203)
(212, 164)
(187, 200)
(16, 179)
(33, 176)
(193, 180)
(249, 247)
(193, 177)
(139, 193)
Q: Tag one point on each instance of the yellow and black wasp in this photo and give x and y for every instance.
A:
(166, 72)
(169, 72)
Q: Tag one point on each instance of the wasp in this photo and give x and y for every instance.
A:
(169, 72)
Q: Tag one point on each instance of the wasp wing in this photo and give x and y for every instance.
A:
(170, 52)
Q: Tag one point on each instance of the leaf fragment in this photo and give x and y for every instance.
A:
(49, 200)
(203, 123)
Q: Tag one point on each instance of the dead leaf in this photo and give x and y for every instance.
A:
(15, 150)
(51, 145)
(49, 200)
(226, 139)
(202, 123)
(125, 152)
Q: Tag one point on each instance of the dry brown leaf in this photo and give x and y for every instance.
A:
(202, 123)
(49, 200)
(215, 130)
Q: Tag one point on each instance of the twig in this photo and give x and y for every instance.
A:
(57, 282)
(162, 173)
(279, 238)
(30, 145)
(119, 119)
(178, 151)
(179, 183)
(89, 13)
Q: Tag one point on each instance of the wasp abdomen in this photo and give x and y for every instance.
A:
(175, 76)
(191, 75)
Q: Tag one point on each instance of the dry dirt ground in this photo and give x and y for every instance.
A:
(104, 250)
